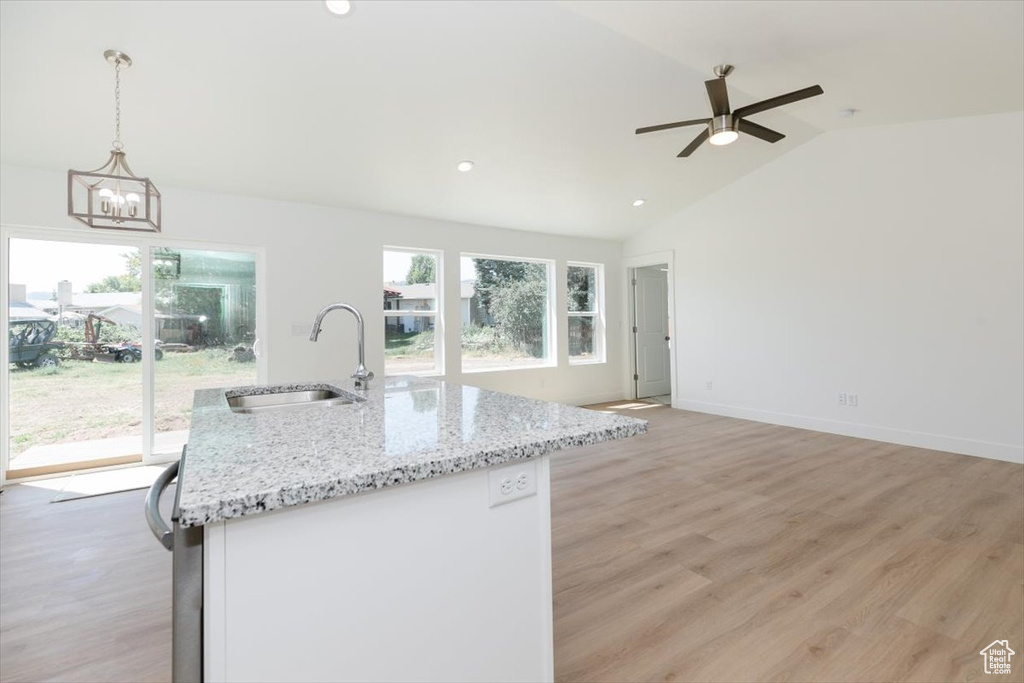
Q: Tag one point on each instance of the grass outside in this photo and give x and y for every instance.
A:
(81, 401)
(407, 344)
(482, 348)
(408, 352)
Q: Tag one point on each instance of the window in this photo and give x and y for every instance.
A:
(586, 333)
(505, 313)
(412, 302)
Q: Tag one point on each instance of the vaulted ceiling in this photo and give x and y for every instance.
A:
(374, 109)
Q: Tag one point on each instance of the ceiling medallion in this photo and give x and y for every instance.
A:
(112, 196)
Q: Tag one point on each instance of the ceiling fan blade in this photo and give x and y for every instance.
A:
(697, 142)
(766, 134)
(665, 126)
(718, 95)
(773, 102)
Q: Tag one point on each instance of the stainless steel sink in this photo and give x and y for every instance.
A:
(289, 398)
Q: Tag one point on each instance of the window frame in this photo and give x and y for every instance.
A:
(597, 314)
(437, 313)
(551, 334)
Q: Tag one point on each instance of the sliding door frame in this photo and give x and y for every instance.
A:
(145, 244)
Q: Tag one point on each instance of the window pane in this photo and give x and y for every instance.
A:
(410, 284)
(585, 333)
(581, 337)
(205, 328)
(74, 341)
(582, 288)
(504, 313)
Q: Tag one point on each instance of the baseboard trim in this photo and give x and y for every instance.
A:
(592, 399)
(938, 442)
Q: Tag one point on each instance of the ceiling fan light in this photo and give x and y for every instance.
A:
(723, 137)
(340, 7)
(723, 130)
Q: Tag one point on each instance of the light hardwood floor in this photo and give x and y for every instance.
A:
(85, 589)
(710, 549)
(715, 549)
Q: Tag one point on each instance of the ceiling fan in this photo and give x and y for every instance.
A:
(725, 125)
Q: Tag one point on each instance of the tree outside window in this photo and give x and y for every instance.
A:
(586, 336)
(507, 324)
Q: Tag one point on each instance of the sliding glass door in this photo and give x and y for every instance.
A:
(73, 334)
(205, 332)
(108, 341)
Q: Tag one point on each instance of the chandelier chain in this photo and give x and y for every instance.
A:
(118, 145)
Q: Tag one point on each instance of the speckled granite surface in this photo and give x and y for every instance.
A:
(406, 429)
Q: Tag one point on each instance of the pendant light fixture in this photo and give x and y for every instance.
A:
(112, 196)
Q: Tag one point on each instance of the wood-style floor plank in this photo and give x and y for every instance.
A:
(85, 589)
(826, 558)
(710, 549)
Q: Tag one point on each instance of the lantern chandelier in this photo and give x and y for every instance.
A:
(112, 196)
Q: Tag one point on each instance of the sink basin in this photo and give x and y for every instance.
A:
(290, 397)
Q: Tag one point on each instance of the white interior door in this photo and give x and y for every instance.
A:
(653, 365)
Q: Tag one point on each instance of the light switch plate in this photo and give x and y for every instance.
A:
(512, 482)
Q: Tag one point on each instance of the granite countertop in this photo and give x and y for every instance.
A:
(405, 429)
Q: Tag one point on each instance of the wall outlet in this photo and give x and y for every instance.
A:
(851, 400)
(708, 385)
(513, 482)
(300, 329)
(842, 398)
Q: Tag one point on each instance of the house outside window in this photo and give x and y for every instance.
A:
(412, 298)
(510, 313)
(585, 316)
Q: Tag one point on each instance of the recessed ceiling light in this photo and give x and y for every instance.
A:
(338, 6)
(465, 166)
(639, 202)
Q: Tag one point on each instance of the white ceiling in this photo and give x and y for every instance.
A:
(373, 110)
(895, 62)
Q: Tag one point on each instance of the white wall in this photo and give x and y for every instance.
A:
(885, 262)
(317, 255)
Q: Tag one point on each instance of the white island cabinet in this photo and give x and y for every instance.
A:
(402, 537)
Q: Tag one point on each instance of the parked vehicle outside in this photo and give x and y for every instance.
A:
(130, 352)
(29, 342)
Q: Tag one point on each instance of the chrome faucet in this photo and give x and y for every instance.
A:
(362, 376)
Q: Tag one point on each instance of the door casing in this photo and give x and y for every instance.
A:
(630, 264)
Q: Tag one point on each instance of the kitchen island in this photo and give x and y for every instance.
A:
(398, 533)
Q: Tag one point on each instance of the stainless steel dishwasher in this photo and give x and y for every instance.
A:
(186, 546)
